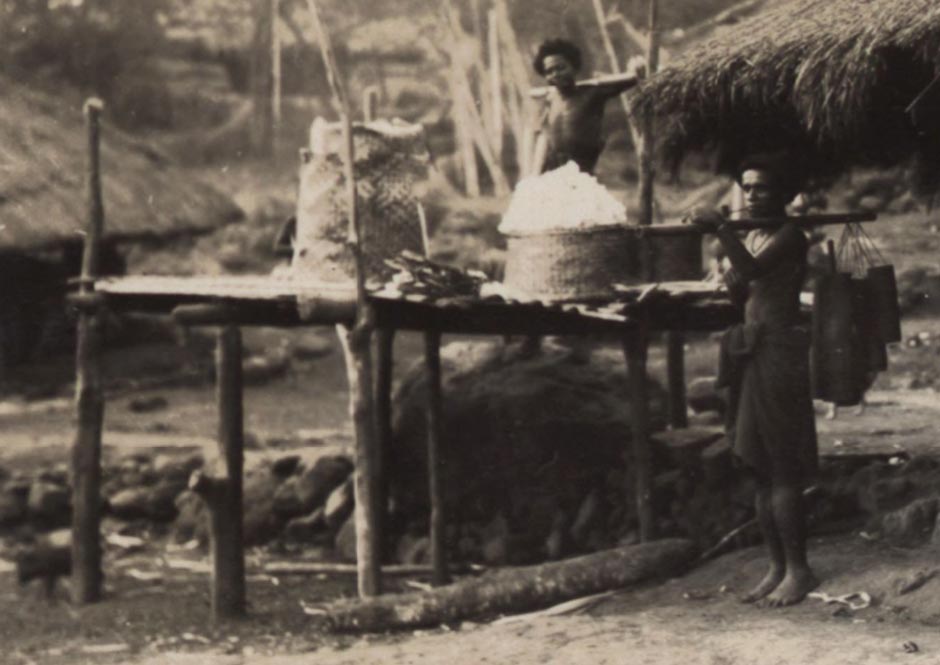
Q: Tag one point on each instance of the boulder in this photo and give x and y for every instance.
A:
(261, 523)
(345, 542)
(313, 347)
(131, 503)
(192, 522)
(285, 465)
(339, 505)
(702, 395)
(315, 484)
(49, 503)
(413, 550)
(308, 529)
(913, 524)
(177, 468)
(286, 502)
(13, 509)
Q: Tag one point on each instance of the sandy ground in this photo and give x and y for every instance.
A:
(694, 620)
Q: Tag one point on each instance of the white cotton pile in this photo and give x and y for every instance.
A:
(566, 198)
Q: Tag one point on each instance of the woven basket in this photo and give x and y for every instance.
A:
(584, 264)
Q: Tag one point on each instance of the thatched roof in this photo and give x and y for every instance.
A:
(832, 78)
(43, 154)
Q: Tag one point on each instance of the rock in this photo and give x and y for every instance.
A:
(57, 475)
(258, 370)
(413, 550)
(131, 504)
(177, 468)
(308, 529)
(48, 503)
(192, 521)
(285, 465)
(706, 419)
(702, 395)
(147, 404)
(684, 446)
(339, 505)
(312, 347)
(161, 503)
(13, 509)
(345, 541)
(286, 502)
(261, 523)
(912, 524)
(314, 485)
(43, 562)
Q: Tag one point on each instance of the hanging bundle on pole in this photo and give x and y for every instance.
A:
(855, 315)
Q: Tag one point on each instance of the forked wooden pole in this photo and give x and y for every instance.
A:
(384, 343)
(86, 450)
(357, 343)
(432, 360)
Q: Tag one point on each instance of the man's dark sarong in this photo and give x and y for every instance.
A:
(771, 423)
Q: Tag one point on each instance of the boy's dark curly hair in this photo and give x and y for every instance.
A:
(561, 47)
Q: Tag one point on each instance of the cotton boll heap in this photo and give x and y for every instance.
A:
(563, 199)
(568, 238)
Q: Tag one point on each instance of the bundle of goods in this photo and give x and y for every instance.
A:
(391, 158)
(568, 239)
(855, 315)
(419, 279)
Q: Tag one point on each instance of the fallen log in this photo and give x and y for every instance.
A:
(514, 590)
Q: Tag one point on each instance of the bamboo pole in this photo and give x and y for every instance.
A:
(385, 342)
(635, 346)
(89, 397)
(432, 360)
(647, 138)
(357, 345)
(221, 489)
(496, 83)
(468, 158)
(615, 68)
(275, 69)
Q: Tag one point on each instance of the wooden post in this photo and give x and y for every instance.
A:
(432, 360)
(221, 488)
(370, 100)
(635, 350)
(357, 344)
(647, 143)
(468, 157)
(385, 341)
(275, 68)
(89, 397)
(675, 373)
(496, 83)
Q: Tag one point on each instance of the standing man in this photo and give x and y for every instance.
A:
(571, 126)
(765, 363)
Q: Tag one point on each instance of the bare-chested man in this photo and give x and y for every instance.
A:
(571, 130)
(765, 363)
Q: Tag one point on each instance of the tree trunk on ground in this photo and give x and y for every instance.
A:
(515, 590)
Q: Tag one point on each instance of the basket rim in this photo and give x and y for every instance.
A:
(586, 230)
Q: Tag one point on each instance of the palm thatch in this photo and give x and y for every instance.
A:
(43, 153)
(832, 79)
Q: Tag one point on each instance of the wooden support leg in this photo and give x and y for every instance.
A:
(86, 465)
(86, 451)
(385, 339)
(357, 347)
(675, 370)
(432, 359)
(221, 489)
(635, 349)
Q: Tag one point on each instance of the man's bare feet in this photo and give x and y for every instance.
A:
(791, 590)
(770, 582)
